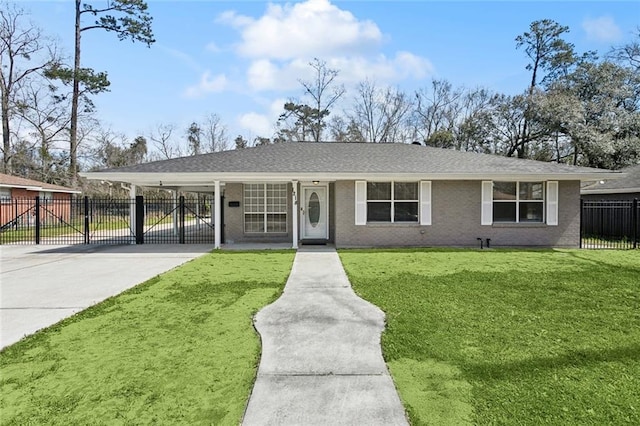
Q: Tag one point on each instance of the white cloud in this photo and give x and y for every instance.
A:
(257, 124)
(263, 124)
(268, 75)
(314, 28)
(208, 84)
(602, 29)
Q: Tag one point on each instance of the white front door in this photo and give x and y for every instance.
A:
(315, 213)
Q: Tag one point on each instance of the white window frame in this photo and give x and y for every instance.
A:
(518, 201)
(266, 212)
(393, 201)
(423, 203)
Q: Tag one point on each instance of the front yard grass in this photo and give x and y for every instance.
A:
(178, 349)
(508, 337)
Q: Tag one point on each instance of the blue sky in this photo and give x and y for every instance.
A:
(242, 59)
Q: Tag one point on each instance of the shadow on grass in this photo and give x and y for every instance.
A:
(617, 267)
(576, 358)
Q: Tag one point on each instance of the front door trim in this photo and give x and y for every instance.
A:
(306, 187)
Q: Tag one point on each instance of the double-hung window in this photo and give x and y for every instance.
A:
(265, 207)
(518, 202)
(392, 202)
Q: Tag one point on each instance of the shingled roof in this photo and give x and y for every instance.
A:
(10, 181)
(629, 183)
(349, 160)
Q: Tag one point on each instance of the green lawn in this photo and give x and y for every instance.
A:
(508, 337)
(178, 349)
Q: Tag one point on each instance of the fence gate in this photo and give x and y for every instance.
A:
(176, 221)
(609, 224)
(84, 220)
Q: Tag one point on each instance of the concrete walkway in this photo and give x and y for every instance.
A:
(41, 285)
(321, 359)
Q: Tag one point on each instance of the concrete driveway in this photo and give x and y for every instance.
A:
(41, 285)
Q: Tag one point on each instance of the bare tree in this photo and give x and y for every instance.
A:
(380, 114)
(436, 109)
(24, 52)
(46, 113)
(162, 139)
(214, 133)
(324, 93)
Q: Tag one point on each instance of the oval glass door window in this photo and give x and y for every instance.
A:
(314, 209)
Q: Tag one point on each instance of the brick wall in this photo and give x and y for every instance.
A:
(456, 221)
(23, 201)
(234, 219)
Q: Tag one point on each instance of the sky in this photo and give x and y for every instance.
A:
(242, 60)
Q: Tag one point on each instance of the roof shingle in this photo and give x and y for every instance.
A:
(308, 157)
(20, 182)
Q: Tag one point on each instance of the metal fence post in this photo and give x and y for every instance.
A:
(37, 218)
(86, 219)
(181, 220)
(634, 224)
(139, 226)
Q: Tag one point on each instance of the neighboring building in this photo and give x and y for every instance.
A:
(377, 195)
(17, 201)
(625, 188)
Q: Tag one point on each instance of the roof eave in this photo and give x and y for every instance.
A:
(172, 179)
(610, 191)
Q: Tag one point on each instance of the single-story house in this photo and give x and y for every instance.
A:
(625, 188)
(384, 195)
(17, 200)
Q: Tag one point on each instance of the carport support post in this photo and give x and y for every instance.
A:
(217, 214)
(294, 211)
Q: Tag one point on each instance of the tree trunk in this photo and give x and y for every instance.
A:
(73, 137)
(6, 140)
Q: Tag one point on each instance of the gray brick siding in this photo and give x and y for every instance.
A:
(456, 221)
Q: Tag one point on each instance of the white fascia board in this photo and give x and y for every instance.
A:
(207, 178)
(26, 187)
(61, 191)
(610, 191)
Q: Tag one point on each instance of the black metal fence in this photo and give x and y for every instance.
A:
(609, 224)
(84, 220)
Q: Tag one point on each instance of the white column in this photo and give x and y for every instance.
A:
(211, 214)
(294, 213)
(132, 211)
(217, 215)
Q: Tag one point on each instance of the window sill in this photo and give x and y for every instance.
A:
(519, 225)
(394, 224)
